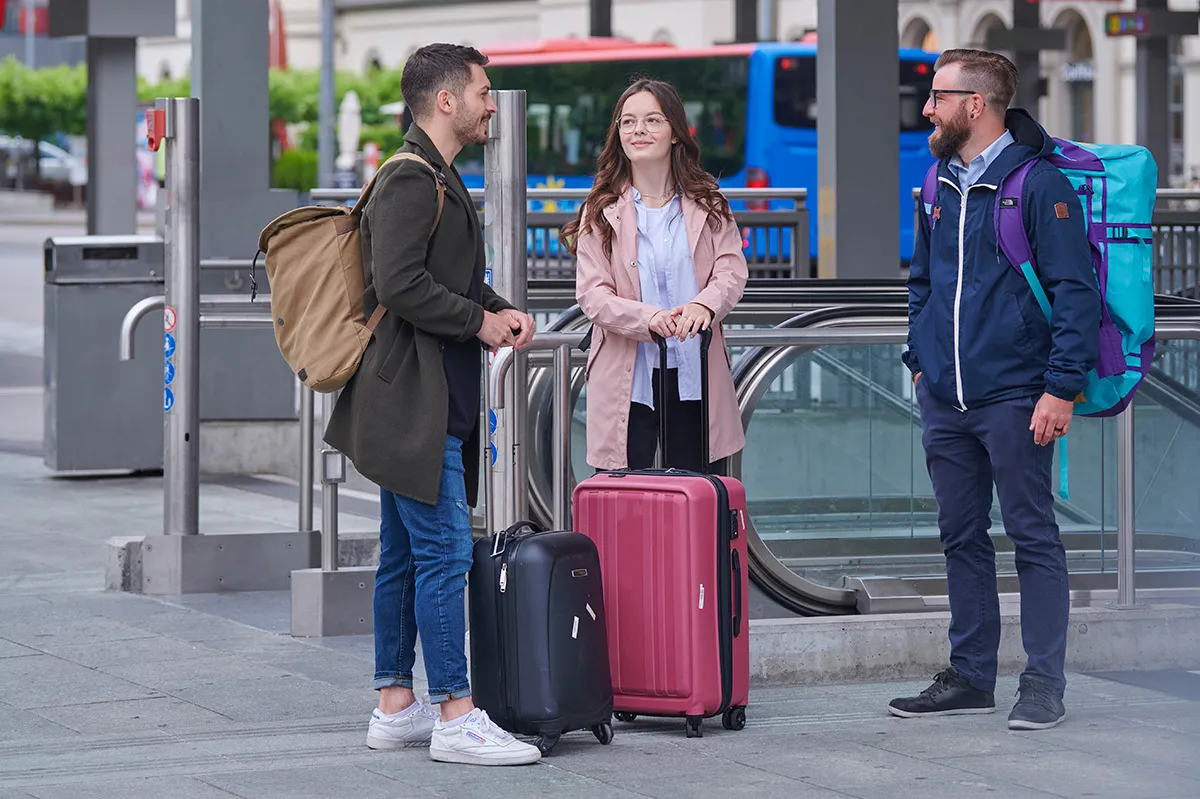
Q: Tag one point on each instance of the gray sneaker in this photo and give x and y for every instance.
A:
(1040, 706)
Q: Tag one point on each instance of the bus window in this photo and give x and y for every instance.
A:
(916, 79)
(796, 93)
(570, 107)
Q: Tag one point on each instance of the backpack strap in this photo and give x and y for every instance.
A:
(929, 190)
(1009, 212)
(1014, 243)
(438, 178)
(439, 181)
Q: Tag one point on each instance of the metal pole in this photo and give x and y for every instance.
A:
(181, 319)
(600, 18)
(1027, 15)
(1153, 76)
(768, 20)
(489, 491)
(327, 100)
(745, 20)
(333, 471)
(30, 20)
(507, 270)
(561, 438)
(306, 458)
(1126, 597)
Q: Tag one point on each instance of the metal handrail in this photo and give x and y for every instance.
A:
(800, 195)
(885, 332)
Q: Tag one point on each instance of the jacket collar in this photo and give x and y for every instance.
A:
(419, 140)
(623, 218)
(1030, 141)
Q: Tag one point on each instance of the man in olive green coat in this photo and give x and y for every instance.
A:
(409, 419)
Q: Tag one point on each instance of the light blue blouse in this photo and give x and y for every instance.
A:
(668, 279)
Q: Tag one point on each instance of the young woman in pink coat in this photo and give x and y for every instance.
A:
(659, 253)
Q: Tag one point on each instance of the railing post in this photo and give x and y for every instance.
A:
(506, 272)
(333, 471)
(561, 460)
(307, 421)
(1126, 510)
(181, 318)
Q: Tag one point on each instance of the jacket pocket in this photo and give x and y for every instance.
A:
(599, 339)
(401, 346)
(1027, 331)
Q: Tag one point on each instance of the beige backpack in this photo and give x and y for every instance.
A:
(317, 278)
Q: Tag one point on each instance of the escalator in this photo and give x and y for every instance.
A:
(844, 517)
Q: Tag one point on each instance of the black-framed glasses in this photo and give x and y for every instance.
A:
(933, 93)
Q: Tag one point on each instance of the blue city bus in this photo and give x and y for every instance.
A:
(753, 108)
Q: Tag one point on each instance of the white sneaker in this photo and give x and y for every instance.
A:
(397, 732)
(478, 741)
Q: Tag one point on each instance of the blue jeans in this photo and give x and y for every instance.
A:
(965, 453)
(425, 554)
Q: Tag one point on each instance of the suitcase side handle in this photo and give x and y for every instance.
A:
(705, 341)
(737, 594)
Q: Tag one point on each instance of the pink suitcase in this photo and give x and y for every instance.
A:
(673, 564)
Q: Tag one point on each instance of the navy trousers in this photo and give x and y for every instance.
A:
(965, 453)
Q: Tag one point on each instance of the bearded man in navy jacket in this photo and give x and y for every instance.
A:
(996, 381)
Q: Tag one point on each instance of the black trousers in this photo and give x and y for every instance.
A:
(683, 431)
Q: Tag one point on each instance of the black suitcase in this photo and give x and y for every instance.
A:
(539, 642)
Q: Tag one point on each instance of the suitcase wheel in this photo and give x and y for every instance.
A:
(695, 727)
(734, 718)
(603, 733)
(545, 743)
(622, 716)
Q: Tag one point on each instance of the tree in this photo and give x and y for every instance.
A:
(38, 103)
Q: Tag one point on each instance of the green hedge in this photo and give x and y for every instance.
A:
(41, 102)
(295, 169)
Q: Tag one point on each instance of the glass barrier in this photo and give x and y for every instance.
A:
(837, 484)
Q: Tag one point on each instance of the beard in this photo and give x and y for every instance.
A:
(950, 136)
(467, 128)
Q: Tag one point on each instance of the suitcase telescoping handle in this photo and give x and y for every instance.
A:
(705, 341)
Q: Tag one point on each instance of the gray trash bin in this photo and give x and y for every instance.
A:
(101, 414)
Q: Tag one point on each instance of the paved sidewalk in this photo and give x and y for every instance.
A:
(114, 695)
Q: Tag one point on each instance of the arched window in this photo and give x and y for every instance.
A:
(919, 34)
(1078, 74)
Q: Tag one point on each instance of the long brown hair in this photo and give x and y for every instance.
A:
(613, 173)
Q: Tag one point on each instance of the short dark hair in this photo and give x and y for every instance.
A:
(987, 73)
(435, 67)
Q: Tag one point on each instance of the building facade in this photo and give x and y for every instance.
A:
(1091, 92)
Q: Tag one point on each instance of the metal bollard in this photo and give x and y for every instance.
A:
(507, 271)
(181, 317)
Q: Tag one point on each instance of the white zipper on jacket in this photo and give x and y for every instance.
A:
(962, 227)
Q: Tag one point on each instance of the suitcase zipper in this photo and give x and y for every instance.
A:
(507, 639)
(726, 532)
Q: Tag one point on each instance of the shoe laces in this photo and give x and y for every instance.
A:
(487, 725)
(942, 681)
(1037, 693)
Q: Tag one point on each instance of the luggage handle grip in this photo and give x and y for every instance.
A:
(705, 341)
(500, 539)
(737, 594)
